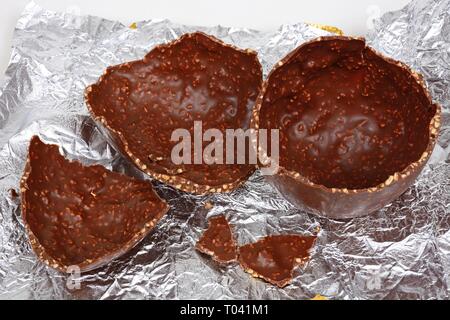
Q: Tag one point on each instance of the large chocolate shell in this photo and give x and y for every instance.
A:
(356, 128)
(83, 216)
(195, 78)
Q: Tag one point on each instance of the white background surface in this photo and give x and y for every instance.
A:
(353, 16)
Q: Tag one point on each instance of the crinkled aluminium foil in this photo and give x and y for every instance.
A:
(402, 251)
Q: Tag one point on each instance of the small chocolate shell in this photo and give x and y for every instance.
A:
(194, 78)
(356, 127)
(274, 258)
(217, 241)
(83, 216)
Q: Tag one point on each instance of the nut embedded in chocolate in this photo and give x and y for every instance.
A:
(274, 258)
(194, 78)
(217, 241)
(83, 216)
(356, 128)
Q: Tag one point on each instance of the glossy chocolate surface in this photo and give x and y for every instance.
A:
(348, 118)
(195, 78)
(273, 258)
(217, 241)
(83, 215)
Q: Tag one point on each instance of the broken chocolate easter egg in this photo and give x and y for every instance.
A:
(83, 216)
(155, 105)
(356, 128)
(217, 241)
(274, 258)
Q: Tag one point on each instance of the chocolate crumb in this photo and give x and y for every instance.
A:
(13, 193)
(208, 205)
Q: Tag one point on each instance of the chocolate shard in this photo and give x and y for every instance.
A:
(217, 241)
(274, 258)
(83, 216)
(194, 78)
(356, 127)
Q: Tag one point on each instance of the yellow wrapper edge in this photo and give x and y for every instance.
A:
(327, 28)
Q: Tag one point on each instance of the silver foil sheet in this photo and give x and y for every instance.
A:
(402, 251)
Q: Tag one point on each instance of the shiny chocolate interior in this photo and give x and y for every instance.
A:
(348, 117)
(195, 78)
(84, 215)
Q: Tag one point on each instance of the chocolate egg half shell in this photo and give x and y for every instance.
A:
(194, 78)
(356, 128)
